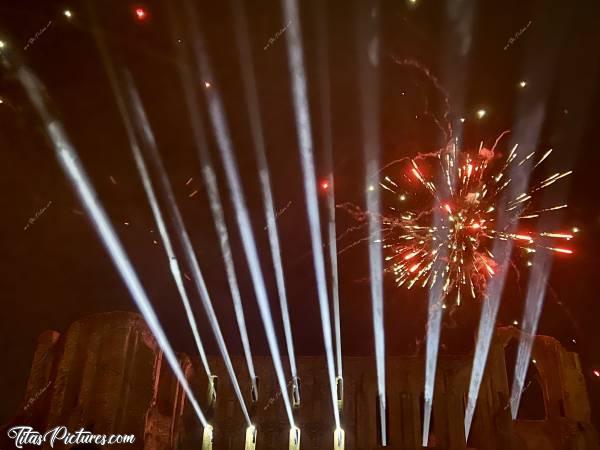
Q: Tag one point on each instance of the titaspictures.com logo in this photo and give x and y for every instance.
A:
(25, 435)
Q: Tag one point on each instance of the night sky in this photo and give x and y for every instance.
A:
(54, 270)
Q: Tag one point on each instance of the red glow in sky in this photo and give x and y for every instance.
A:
(140, 14)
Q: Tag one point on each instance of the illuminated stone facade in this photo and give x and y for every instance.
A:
(106, 374)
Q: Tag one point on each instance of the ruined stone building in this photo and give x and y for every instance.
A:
(107, 374)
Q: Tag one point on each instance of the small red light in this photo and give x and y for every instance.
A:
(325, 185)
(596, 373)
(140, 14)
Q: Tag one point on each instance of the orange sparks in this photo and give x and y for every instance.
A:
(467, 226)
(413, 268)
(561, 250)
(411, 255)
(558, 235)
(523, 237)
(418, 175)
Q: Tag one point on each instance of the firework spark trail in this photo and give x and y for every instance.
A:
(303, 129)
(445, 127)
(210, 182)
(241, 30)
(220, 128)
(147, 135)
(325, 98)
(69, 161)
(280, 212)
(533, 308)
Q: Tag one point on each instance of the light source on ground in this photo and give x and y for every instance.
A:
(207, 438)
(339, 439)
(294, 438)
(250, 438)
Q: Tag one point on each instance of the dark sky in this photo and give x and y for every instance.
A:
(54, 270)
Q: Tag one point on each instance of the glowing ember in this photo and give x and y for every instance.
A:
(467, 189)
(324, 185)
(596, 373)
(140, 14)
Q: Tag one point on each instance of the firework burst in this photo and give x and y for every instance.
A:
(451, 242)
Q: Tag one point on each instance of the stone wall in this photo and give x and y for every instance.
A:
(106, 374)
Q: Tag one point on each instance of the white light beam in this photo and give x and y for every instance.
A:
(219, 124)
(210, 181)
(256, 126)
(198, 278)
(69, 161)
(303, 129)
(325, 98)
